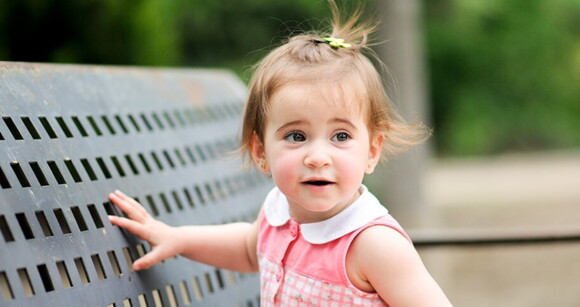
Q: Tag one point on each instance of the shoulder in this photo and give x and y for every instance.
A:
(387, 261)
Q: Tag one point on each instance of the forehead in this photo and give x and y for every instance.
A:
(319, 97)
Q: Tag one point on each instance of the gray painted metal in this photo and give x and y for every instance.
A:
(71, 134)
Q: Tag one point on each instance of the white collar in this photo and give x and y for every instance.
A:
(362, 211)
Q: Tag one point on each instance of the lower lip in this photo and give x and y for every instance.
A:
(318, 188)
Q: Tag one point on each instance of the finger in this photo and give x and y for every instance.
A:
(147, 261)
(132, 202)
(128, 208)
(132, 226)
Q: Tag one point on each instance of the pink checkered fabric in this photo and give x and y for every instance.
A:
(295, 289)
(305, 265)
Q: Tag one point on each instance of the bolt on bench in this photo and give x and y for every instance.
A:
(70, 135)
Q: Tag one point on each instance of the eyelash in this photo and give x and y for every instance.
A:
(292, 136)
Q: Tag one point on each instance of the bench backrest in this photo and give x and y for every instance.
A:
(69, 135)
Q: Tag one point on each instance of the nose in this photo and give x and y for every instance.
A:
(317, 156)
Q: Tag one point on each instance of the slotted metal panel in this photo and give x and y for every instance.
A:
(70, 135)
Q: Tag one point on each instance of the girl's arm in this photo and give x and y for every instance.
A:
(229, 246)
(387, 262)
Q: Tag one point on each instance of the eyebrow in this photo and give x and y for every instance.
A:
(343, 121)
(332, 120)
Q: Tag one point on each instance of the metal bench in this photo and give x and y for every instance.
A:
(71, 134)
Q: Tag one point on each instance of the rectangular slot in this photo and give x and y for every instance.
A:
(165, 202)
(64, 275)
(79, 126)
(179, 157)
(157, 298)
(95, 216)
(196, 288)
(104, 168)
(146, 122)
(144, 162)
(190, 155)
(118, 166)
(80, 265)
(89, 169)
(5, 229)
(110, 209)
(45, 277)
(64, 127)
(46, 230)
(25, 282)
(98, 266)
(25, 226)
(157, 161)
(220, 279)
(210, 192)
(108, 125)
(189, 198)
(184, 292)
(152, 205)
(56, 172)
(47, 127)
(5, 287)
(121, 124)
(20, 174)
(168, 119)
(142, 300)
(128, 258)
(208, 283)
(4, 180)
(94, 125)
(134, 123)
(199, 194)
(140, 250)
(127, 303)
(72, 170)
(131, 165)
(200, 152)
(30, 126)
(114, 263)
(177, 200)
(76, 211)
(12, 127)
(171, 295)
(180, 119)
(168, 158)
(157, 121)
(59, 214)
(38, 173)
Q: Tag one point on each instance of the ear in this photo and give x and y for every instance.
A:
(258, 153)
(375, 152)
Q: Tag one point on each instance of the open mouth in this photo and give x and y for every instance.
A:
(318, 182)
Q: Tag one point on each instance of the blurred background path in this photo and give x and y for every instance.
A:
(540, 190)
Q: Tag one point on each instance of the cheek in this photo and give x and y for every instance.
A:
(284, 168)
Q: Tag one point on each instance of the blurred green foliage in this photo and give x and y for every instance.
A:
(504, 75)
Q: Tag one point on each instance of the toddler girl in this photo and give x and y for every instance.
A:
(317, 120)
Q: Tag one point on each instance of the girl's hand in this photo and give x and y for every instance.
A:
(161, 237)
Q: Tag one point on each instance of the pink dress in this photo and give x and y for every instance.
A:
(305, 264)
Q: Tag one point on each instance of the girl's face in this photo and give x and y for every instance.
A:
(317, 149)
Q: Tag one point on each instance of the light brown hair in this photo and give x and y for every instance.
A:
(307, 58)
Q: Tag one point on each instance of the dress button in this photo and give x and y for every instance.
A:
(279, 276)
(293, 230)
